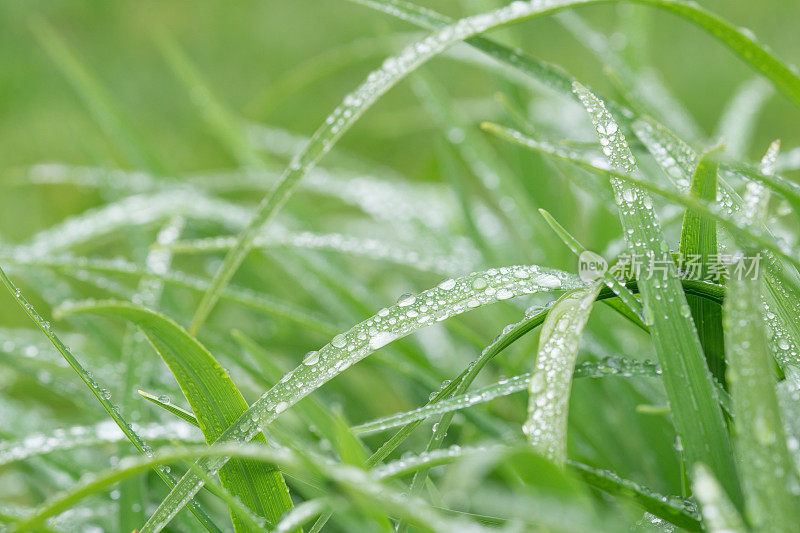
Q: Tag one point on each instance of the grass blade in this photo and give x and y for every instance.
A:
(699, 241)
(215, 401)
(95, 97)
(688, 383)
(612, 366)
(767, 469)
(551, 382)
(100, 394)
(719, 514)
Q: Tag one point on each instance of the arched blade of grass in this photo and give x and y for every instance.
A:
(100, 394)
(687, 381)
(449, 298)
(766, 468)
(672, 509)
(699, 242)
(551, 382)
(99, 103)
(215, 402)
(719, 514)
(396, 68)
(461, 383)
(615, 366)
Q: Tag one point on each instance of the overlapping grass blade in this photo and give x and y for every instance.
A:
(699, 244)
(719, 514)
(100, 393)
(612, 366)
(767, 470)
(449, 298)
(167, 405)
(551, 382)
(736, 226)
(738, 121)
(672, 509)
(688, 383)
(215, 401)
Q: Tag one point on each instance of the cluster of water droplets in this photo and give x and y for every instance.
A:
(551, 382)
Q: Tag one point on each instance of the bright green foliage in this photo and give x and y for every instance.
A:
(342, 394)
(215, 401)
(767, 470)
(699, 245)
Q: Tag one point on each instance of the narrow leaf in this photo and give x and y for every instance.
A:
(766, 467)
(551, 382)
(215, 401)
(699, 245)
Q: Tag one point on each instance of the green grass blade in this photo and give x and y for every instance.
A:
(551, 383)
(688, 383)
(228, 129)
(767, 469)
(100, 104)
(674, 510)
(699, 241)
(719, 514)
(167, 405)
(612, 366)
(215, 402)
(100, 393)
(411, 313)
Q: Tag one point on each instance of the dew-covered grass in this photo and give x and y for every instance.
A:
(364, 266)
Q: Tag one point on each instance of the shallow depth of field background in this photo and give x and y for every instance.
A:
(241, 49)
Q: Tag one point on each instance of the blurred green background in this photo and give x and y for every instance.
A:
(242, 48)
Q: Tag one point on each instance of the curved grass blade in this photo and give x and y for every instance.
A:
(611, 366)
(766, 468)
(623, 293)
(396, 68)
(719, 514)
(215, 402)
(101, 394)
(551, 382)
(699, 244)
(411, 313)
(688, 383)
(673, 509)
